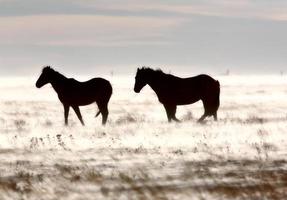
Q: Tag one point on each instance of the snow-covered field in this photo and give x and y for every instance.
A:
(138, 155)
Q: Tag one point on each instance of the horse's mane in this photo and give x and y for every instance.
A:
(148, 69)
(50, 69)
(47, 69)
(156, 72)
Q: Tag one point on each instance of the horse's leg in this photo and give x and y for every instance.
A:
(202, 118)
(104, 111)
(206, 110)
(78, 113)
(172, 113)
(215, 116)
(66, 113)
(169, 110)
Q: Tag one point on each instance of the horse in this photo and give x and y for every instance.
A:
(172, 91)
(73, 93)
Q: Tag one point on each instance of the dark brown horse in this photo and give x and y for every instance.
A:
(173, 91)
(73, 93)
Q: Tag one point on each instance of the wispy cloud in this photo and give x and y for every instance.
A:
(216, 33)
(89, 30)
(263, 9)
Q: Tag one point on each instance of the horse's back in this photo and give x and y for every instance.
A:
(99, 86)
(94, 83)
(83, 93)
(191, 89)
(202, 78)
(200, 81)
(208, 88)
(182, 91)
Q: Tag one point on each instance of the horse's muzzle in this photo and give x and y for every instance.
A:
(38, 85)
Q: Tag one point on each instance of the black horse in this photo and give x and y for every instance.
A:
(73, 93)
(173, 91)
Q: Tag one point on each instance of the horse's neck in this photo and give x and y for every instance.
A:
(59, 82)
(156, 82)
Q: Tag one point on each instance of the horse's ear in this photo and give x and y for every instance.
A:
(47, 68)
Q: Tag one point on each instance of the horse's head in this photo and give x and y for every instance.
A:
(45, 77)
(140, 79)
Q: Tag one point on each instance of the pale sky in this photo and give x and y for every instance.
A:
(96, 37)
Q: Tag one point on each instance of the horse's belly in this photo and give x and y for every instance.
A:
(179, 100)
(82, 101)
(186, 101)
(183, 99)
(77, 100)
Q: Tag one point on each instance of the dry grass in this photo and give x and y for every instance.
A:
(138, 155)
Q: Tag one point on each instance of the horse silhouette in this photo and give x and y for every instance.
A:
(73, 93)
(172, 91)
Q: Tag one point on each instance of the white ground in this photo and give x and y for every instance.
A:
(138, 155)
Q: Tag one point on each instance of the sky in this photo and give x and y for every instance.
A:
(86, 37)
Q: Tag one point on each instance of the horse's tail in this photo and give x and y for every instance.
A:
(217, 94)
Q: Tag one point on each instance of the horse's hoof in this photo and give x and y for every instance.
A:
(201, 122)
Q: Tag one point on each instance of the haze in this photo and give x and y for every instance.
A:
(99, 37)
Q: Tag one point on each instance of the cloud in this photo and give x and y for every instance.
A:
(85, 30)
(78, 34)
(263, 9)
